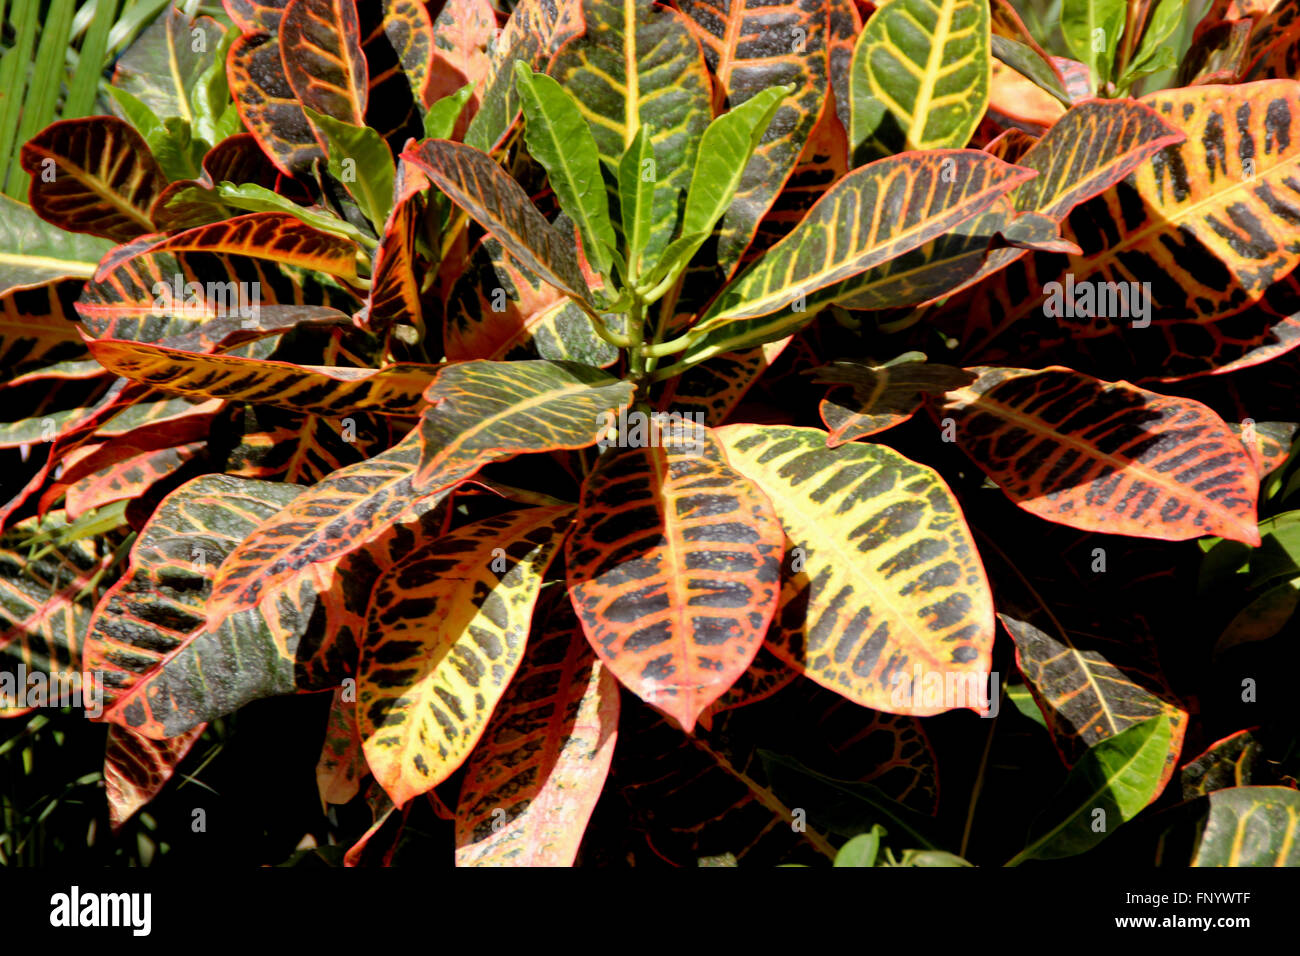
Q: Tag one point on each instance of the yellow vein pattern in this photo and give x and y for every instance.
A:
(875, 213)
(920, 77)
(95, 175)
(500, 205)
(319, 390)
(1251, 826)
(751, 45)
(323, 59)
(483, 410)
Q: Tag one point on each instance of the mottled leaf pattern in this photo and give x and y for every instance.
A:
(1106, 456)
(876, 629)
(137, 768)
(673, 569)
(445, 634)
(534, 778)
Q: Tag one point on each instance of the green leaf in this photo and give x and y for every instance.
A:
(636, 193)
(725, 150)
(862, 849)
(210, 97)
(177, 152)
(1113, 782)
(1251, 826)
(1092, 30)
(137, 112)
(441, 117)
(359, 158)
(1161, 24)
(1023, 700)
(919, 78)
(1162, 59)
(670, 265)
(1025, 60)
(33, 251)
(559, 138)
(257, 198)
(165, 64)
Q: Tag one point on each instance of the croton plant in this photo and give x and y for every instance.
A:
(673, 432)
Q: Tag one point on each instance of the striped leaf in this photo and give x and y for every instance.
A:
(326, 69)
(131, 478)
(500, 205)
(1109, 457)
(268, 105)
(1210, 240)
(842, 236)
(617, 70)
(1089, 682)
(483, 411)
(394, 288)
(877, 630)
(920, 77)
(875, 398)
(46, 599)
(1088, 150)
(167, 668)
(535, 30)
(533, 780)
(137, 768)
(673, 569)
(445, 633)
(1251, 826)
(750, 47)
(37, 330)
(273, 445)
(93, 175)
(318, 390)
(156, 609)
(157, 290)
(339, 514)
(397, 40)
